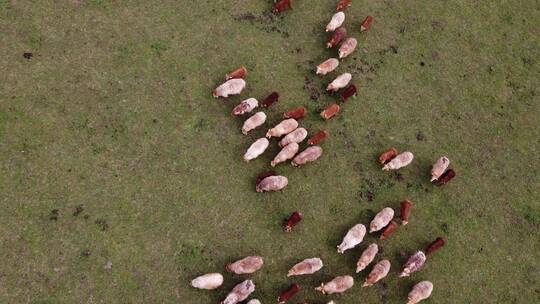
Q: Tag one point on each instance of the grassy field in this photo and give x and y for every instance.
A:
(112, 148)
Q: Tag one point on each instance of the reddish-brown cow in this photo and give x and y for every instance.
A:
(330, 112)
(318, 138)
(293, 220)
(388, 156)
(343, 5)
(366, 24)
(348, 92)
(288, 294)
(406, 206)
(241, 72)
(282, 6)
(435, 246)
(389, 230)
(337, 37)
(298, 113)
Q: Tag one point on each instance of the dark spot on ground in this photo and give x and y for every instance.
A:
(385, 182)
(446, 228)
(526, 61)
(383, 292)
(54, 215)
(420, 136)
(265, 22)
(78, 210)
(28, 55)
(398, 176)
(298, 50)
(409, 185)
(422, 63)
(481, 249)
(312, 89)
(371, 134)
(532, 216)
(86, 216)
(154, 120)
(491, 69)
(437, 25)
(245, 17)
(102, 224)
(86, 253)
(394, 49)
(369, 214)
(370, 196)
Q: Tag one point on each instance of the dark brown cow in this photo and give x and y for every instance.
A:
(282, 6)
(446, 177)
(337, 37)
(348, 92)
(435, 246)
(389, 230)
(343, 5)
(293, 220)
(288, 294)
(318, 138)
(270, 100)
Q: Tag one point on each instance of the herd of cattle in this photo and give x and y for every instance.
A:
(291, 135)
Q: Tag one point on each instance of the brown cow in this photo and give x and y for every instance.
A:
(330, 111)
(238, 73)
(446, 177)
(388, 156)
(297, 113)
(350, 91)
(292, 221)
(343, 5)
(282, 6)
(406, 206)
(288, 294)
(337, 37)
(366, 24)
(318, 138)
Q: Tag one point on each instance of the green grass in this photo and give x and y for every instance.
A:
(114, 113)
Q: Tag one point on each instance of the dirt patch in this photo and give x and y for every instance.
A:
(54, 215)
(370, 196)
(383, 292)
(437, 25)
(312, 89)
(102, 224)
(265, 21)
(446, 228)
(78, 210)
